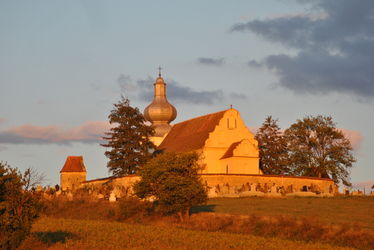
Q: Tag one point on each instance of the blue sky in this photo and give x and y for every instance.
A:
(64, 63)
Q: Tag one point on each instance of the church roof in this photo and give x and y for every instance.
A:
(73, 164)
(191, 134)
(230, 151)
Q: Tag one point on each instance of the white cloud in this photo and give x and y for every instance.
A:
(88, 132)
(355, 137)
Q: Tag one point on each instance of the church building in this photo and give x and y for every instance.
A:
(222, 139)
(229, 155)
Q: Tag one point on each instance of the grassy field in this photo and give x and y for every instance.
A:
(289, 223)
(56, 233)
(337, 210)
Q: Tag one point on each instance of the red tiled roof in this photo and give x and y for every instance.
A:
(74, 164)
(230, 150)
(191, 134)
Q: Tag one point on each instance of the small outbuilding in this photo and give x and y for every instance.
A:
(73, 173)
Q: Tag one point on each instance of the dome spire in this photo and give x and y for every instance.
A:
(160, 112)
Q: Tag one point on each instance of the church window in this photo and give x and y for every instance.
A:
(231, 122)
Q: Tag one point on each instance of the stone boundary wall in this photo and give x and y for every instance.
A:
(230, 185)
(117, 186)
(239, 185)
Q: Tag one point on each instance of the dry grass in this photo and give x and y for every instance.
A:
(286, 227)
(338, 210)
(81, 209)
(322, 221)
(53, 233)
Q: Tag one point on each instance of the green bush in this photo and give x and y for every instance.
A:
(172, 180)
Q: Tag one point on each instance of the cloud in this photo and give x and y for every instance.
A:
(2, 120)
(334, 47)
(177, 93)
(312, 16)
(181, 93)
(89, 132)
(211, 61)
(237, 96)
(125, 83)
(355, 137)
(254, 64)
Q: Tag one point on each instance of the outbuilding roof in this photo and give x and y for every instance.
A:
(191, 134)
(73, 164)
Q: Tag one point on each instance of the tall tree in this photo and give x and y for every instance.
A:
(172, 179)
(128, 139)
(317, 148)
(273, 148)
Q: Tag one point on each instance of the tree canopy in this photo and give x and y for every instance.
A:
(273, 148)
(172, 179)
(317, 148)
(128, 140)
(19, 206)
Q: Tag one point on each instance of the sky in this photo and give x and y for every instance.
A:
(64, 63)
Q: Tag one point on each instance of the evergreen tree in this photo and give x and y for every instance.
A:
(128, 139)
(317, 148)
(272, 147)
(172, 179)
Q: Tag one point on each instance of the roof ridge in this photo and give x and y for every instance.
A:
(191, 119)
(191, 134)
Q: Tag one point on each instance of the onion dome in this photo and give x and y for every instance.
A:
(160, 112)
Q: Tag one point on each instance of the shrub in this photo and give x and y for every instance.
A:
(19, 206)
(82, 207)
(172, 179)
(132, 207)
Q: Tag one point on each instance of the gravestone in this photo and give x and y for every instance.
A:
(69, 196)
(112, 197)
(253, 187)
(273, 189)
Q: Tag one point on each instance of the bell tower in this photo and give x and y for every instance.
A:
(73, 173)
(160, 112)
